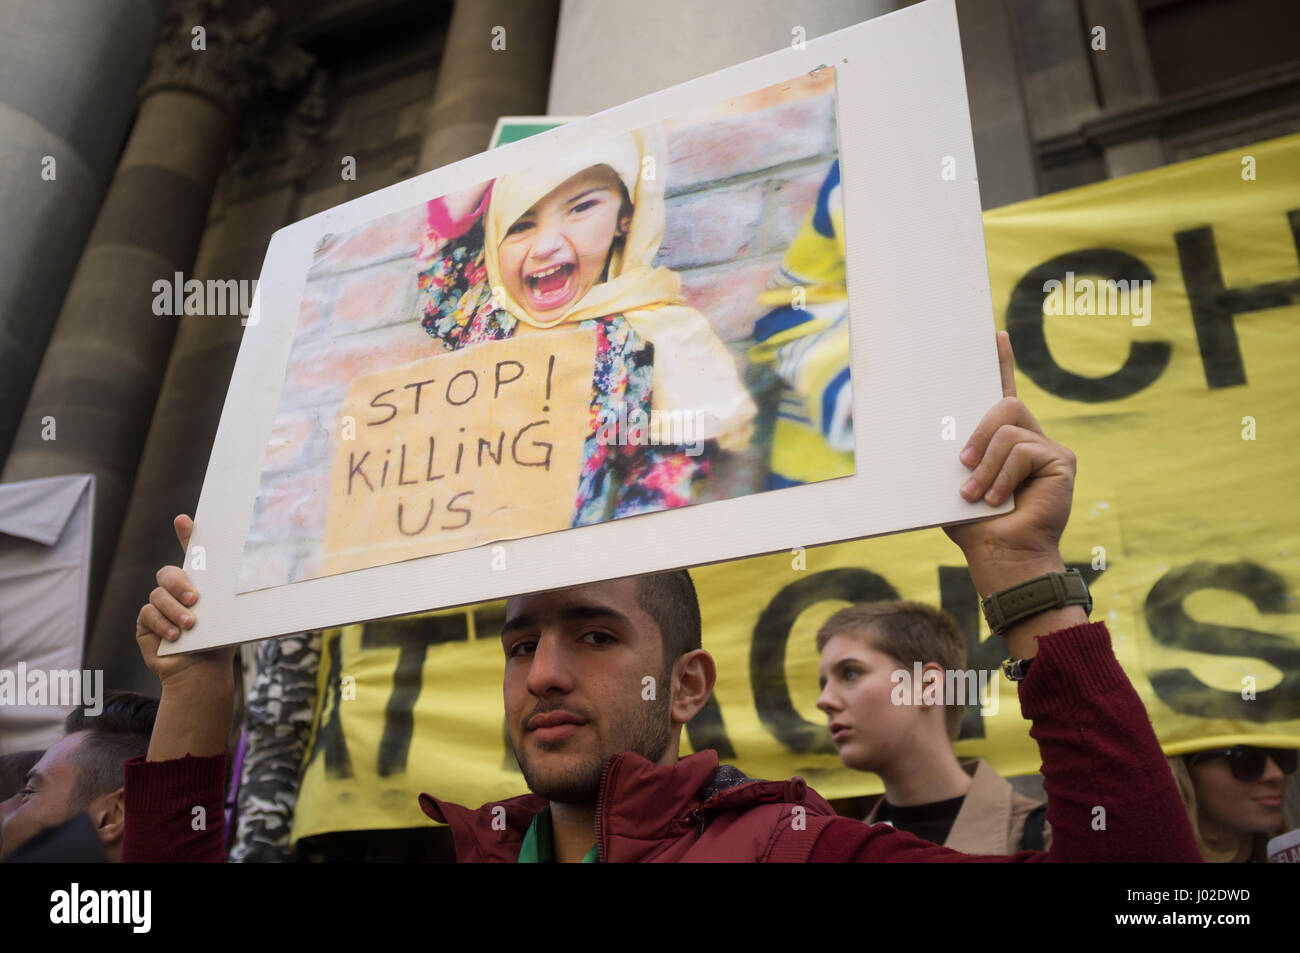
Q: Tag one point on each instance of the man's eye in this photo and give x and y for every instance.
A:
(584, 206)
(599, 638)
(850, 673)
(522, 647)
(25, 793)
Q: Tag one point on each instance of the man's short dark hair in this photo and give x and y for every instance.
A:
(120, 731)
(669, 598)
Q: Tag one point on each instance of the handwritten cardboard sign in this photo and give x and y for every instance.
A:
(461, 449)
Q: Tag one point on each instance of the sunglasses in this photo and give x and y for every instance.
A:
(1248, 763)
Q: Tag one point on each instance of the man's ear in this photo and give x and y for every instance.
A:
(624, 223)
(694, 676)
(108, 813)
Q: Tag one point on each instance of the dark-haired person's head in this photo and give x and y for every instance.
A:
(598, 670)
(83, 772)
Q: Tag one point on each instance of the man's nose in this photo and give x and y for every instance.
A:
(549, 669)
(827, 701)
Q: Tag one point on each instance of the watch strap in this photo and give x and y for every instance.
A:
(1053, 590)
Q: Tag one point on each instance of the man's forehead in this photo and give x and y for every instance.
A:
(58, 758)
(620, 595)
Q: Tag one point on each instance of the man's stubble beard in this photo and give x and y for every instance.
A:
(649, 736)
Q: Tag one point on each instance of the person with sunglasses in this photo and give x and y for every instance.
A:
(1234, 798)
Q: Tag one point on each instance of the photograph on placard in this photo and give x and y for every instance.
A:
(655, 320)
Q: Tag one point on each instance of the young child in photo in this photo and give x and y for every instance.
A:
(569, 244)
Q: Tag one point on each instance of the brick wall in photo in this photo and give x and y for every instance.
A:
(738, 190)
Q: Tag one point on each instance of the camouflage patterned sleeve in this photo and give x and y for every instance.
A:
(278, 726)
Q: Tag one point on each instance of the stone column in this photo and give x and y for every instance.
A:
(1004, 149)
(258, 196)
(1057, 65)
(678, 41)
(69, 84)
(496, 63)
(94, 396)
(612, 51)
(1060, 90)
(1125, 80)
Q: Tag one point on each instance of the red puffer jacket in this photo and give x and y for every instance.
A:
(694, 810)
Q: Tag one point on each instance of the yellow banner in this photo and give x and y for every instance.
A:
(1156, 325)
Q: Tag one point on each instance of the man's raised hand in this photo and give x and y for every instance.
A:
(168, 613)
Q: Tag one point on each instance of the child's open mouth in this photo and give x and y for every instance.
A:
(550, 287)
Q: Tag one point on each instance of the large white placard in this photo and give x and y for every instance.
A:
(923, 356)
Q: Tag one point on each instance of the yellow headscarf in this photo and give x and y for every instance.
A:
(693, 371)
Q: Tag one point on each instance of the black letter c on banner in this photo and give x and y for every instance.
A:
(1146, 361)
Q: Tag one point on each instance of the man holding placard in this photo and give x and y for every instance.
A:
(600, 679)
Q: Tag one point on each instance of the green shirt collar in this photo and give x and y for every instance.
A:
(539, 845)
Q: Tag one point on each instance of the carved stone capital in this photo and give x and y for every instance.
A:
(229, 51)
(279, 141)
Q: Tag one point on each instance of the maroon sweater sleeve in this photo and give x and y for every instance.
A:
(1110, 793)
(162, 824)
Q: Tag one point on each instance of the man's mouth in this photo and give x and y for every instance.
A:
(554, 725)
(551, 287)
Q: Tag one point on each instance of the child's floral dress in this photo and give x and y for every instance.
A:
(615, 480)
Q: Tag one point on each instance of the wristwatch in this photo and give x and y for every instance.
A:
(1015, 669)
(1055, 590)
